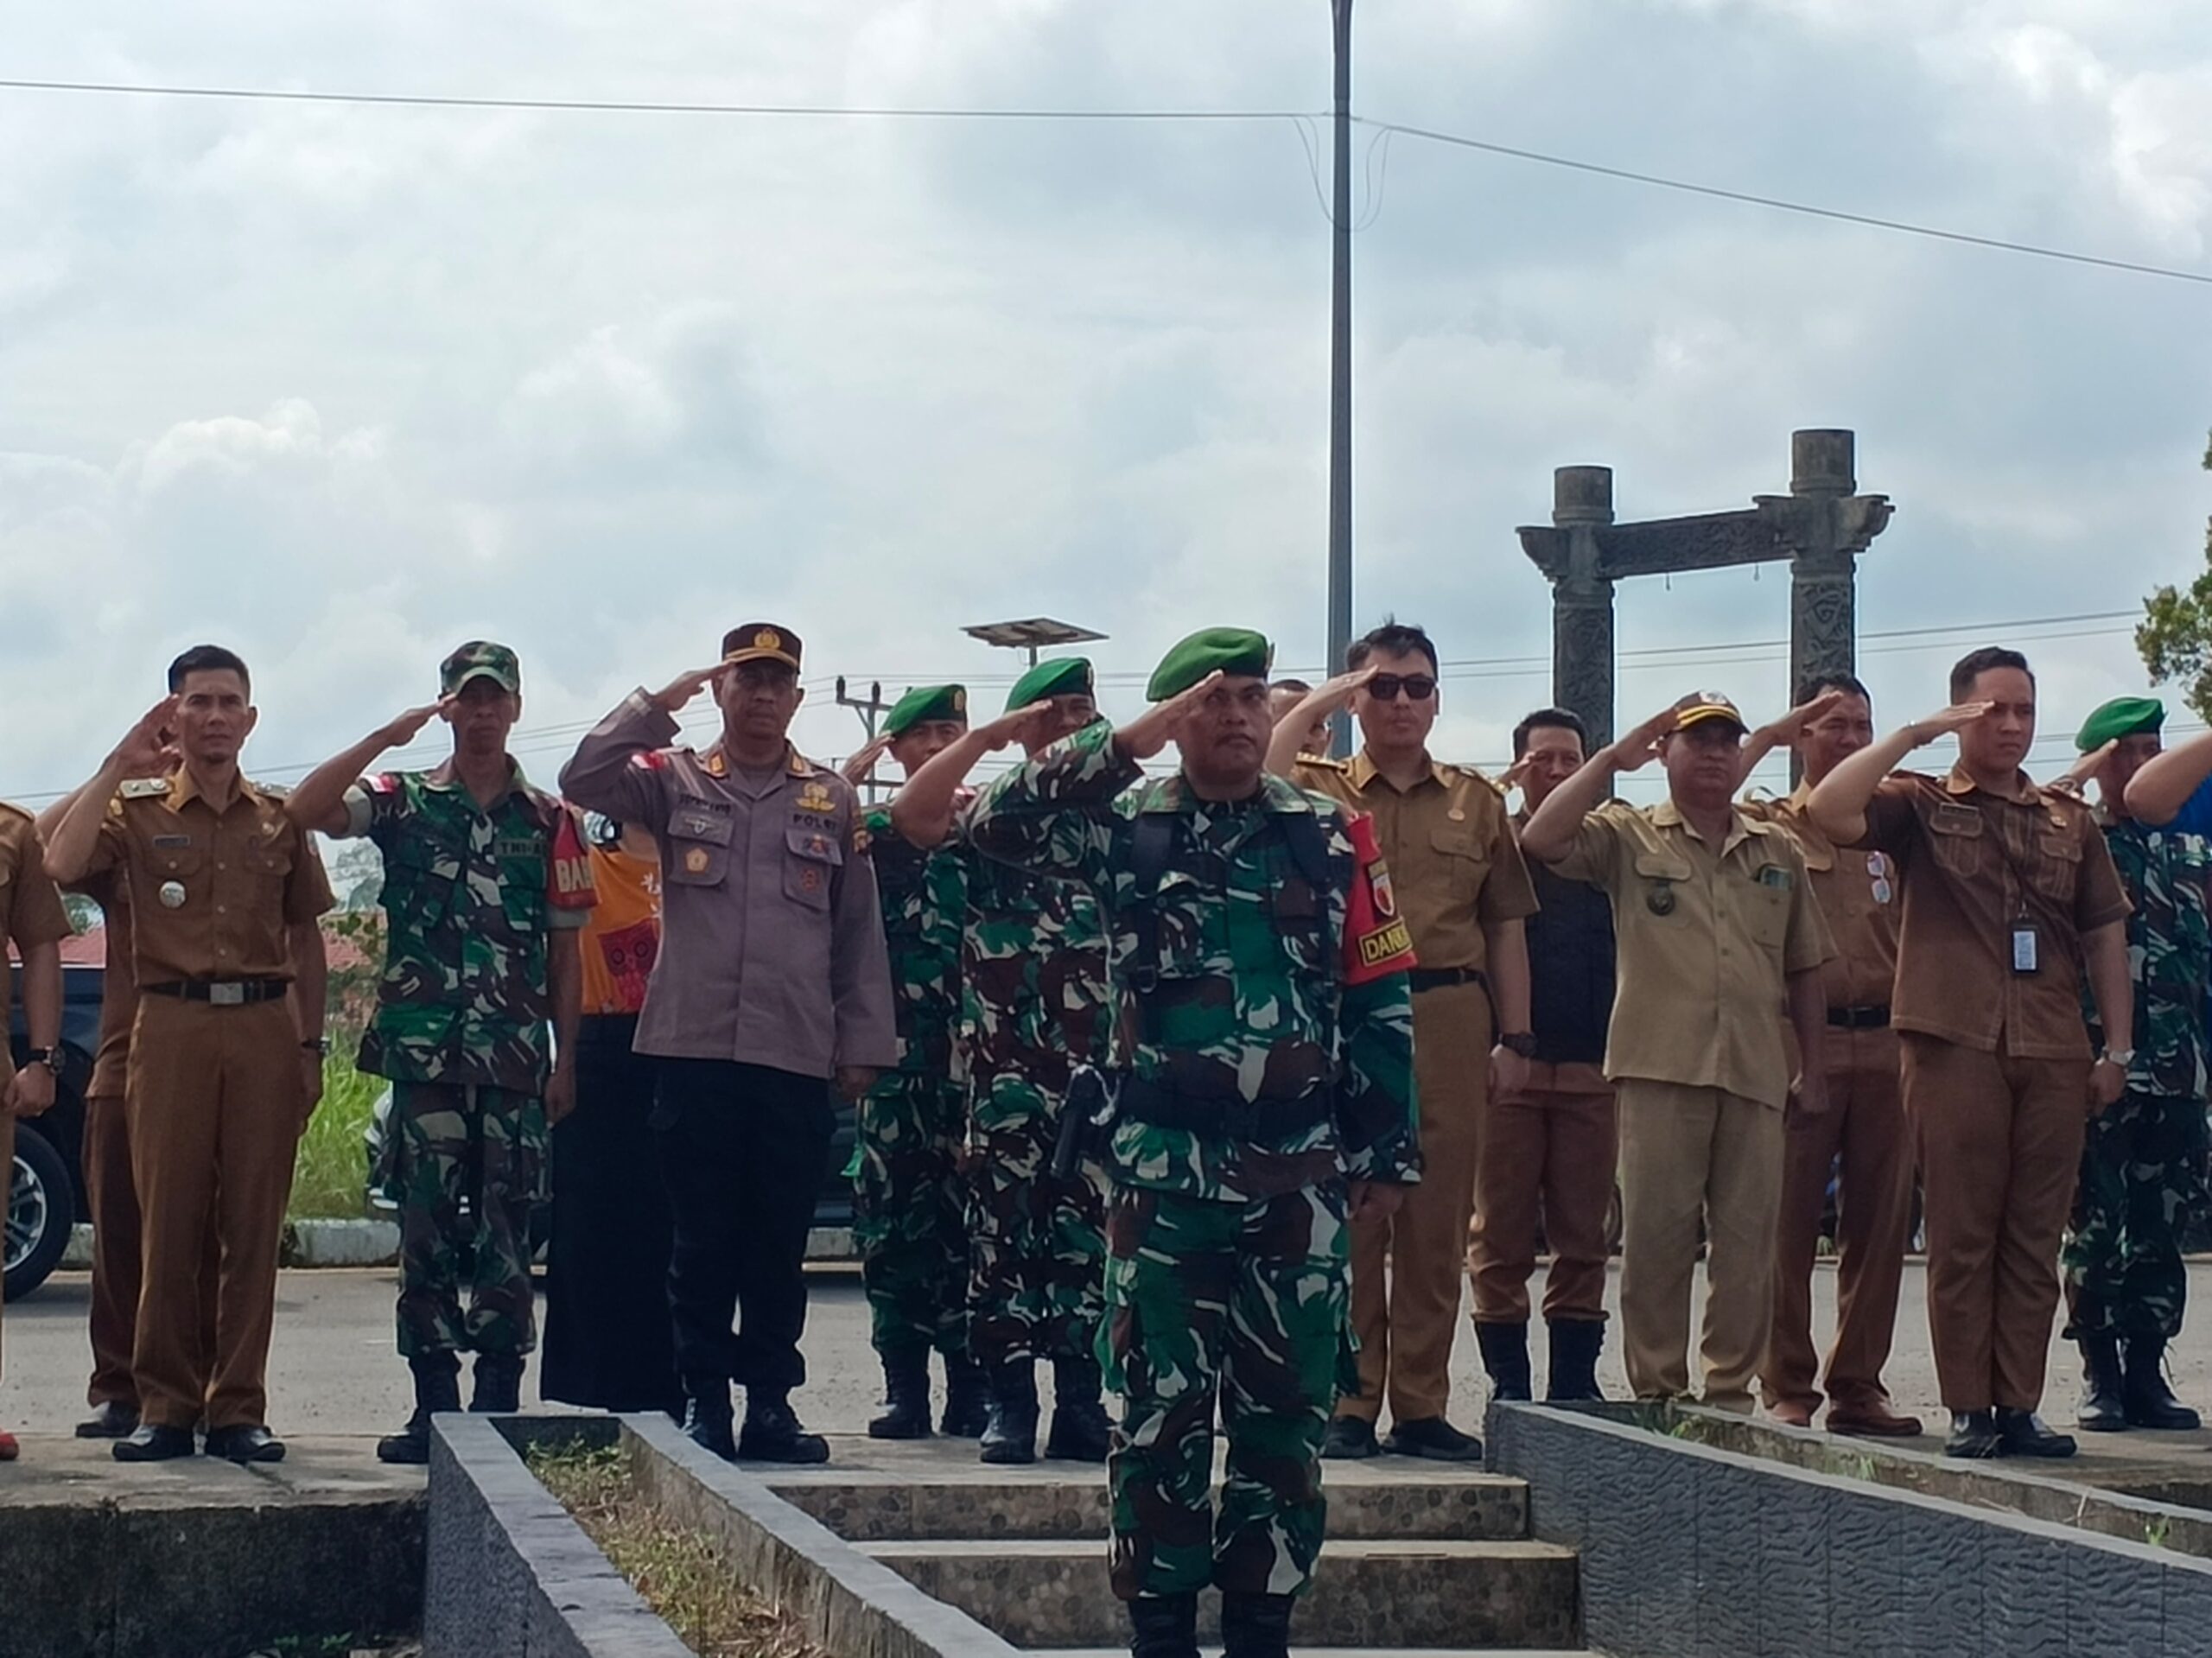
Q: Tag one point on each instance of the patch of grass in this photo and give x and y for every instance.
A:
(675, 1570)
(331, 1171)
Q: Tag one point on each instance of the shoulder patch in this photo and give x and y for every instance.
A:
(650, 759)
(383, 783)
(142, 788)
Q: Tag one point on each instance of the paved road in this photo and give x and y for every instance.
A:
(333, 1369)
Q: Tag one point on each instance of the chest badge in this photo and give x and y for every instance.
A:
(1660, 900)
(695, 862)
(1458, 814)
(171, 893)
(814, 798)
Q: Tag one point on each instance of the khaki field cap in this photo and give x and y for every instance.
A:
(1699, 707)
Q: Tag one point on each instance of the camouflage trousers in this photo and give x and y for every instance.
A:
(1237, 1308)
(467, 1166)
(1037, 1246)
(2142, 1179)
(910, 1214)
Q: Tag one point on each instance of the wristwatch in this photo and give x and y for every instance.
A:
(1520, 1042)
(320, 1044)
(50, 1057)
(2121, 1056)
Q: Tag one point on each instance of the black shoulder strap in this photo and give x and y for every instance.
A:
(1152, 840)
(1309, 848)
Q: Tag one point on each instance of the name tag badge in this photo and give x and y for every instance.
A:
(2024, 947)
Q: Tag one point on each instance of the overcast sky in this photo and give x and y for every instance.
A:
(343, 386)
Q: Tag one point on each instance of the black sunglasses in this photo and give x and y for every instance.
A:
(1418, 688)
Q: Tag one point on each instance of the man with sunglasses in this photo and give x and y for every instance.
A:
(1458, 879)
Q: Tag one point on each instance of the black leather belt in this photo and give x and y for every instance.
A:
(221, 992)
(1234, 1116)
(1859, 1018)
(1435, 978)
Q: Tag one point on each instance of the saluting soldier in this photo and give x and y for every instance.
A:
(772, 985)
(33, 919)
(486, 885)
(909, 1199)
(1458, 879)
(1033, 984)
(226, 1051)
(2009, 896)
(1264, 1047)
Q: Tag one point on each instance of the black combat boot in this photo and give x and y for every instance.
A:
(1164, 1626)
(499, 1385)
(1080, 1429)
(2103, 1408)
(1576, 1343)
(1255, 1626)
(906, 1397)
(773, 1432)
(1010, 1435)
(437, 1387)
(2150, 1402)
(707, 1418)
(967, 1398)
(1505, 1356)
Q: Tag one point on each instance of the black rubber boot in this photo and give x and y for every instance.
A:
(1505, 1356)
(906, 1398)
(1255, 1626)
(967, 1398)
(709, 1420)
(773, 1432)
(1576, 1343)
(499, 1385)
(437, 1388)
(1164, 1626)
(1080, 1429)
(1010, 1435)
(2103, 1408)
(2150, 1402)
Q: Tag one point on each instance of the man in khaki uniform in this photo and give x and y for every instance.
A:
(1864, 1122)
(226, 1049)
(1457, 878)
(1718, 932)
(2009, 896)
(32, 919)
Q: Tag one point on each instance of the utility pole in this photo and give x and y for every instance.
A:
(871, 710)
(1340, 381)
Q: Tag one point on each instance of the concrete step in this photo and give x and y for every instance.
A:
(1492, 1592)
(1297, 1651)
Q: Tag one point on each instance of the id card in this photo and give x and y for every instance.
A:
(2024, 947)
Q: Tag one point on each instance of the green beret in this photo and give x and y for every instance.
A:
(926, 702)
(1063, 677)
(2124, 716)
(1225, 650)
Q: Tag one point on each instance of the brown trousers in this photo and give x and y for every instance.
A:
(1689, 1154)
(111, 1196)
(214, 1122)
(2000, 1146)
(7, 1170)
(1406, 1317)
(1550, 1149)
(1864, 1122)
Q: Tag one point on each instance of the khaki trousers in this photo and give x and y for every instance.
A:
(1864, 1123)
(1549, 1153)
(1406, 1317)
(214, 1106)
(111, 1197)
(2000, 1147)
(1689, 1154)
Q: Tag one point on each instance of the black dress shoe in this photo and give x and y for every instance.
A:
(1973, 1434)
(2025, 1434)
(152, 1442)
(1433, 1438)
(1350, 1438)
(772, 1433)
(249, 1442)
(112, 1421)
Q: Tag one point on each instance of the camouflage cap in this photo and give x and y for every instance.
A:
(2124, 716)
(925, 703)
(1213, 650)
(480, 659)
(1063, 677)
(762, 642)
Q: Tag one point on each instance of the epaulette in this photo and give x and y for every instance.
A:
(1496, 786)
(142, 788)
(1325, 762)
(274, 790)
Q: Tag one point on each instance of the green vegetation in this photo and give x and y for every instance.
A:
(330, 1172)
(2175, 639)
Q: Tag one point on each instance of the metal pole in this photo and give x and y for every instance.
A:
(1340, 381)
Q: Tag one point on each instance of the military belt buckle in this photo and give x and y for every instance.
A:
(226, 995)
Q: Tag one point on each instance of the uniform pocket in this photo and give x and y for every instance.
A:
(2057, 865)
(1464, 858)
(812, 857)
(698, 848)
(1956, 841)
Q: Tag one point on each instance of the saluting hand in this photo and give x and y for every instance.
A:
(684, 687)
(1792, 726)
(1334, 695)
(1159, 725)
(405, 728)
(1640, 747)
(1011, 726)
(1957, 717)
(146, 750)
(2076, 782)
(855, 770)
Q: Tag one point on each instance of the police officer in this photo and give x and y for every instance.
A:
(485, 886)
(1265, 1040)
(772, 983)
(1034, 980)
(908, 1196)
(226, 1052)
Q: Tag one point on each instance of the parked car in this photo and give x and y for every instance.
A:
(46, 1196)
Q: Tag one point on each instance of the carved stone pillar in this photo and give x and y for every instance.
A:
(1582, 601)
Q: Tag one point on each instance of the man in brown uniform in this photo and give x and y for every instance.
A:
(2008, 894)
(1457, 877)
(225, 1054)
(1864, 1122)
(1718, 931)
(32, 919)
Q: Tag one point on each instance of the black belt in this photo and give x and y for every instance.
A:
(1232, 1116)
(221, 992)
(1435, 978)
(1859, 1018)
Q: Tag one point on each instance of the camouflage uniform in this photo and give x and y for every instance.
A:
(2143, 1161)
(1227, 1250)
(1032, 965)
(909, 1198)
(461, 1028)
